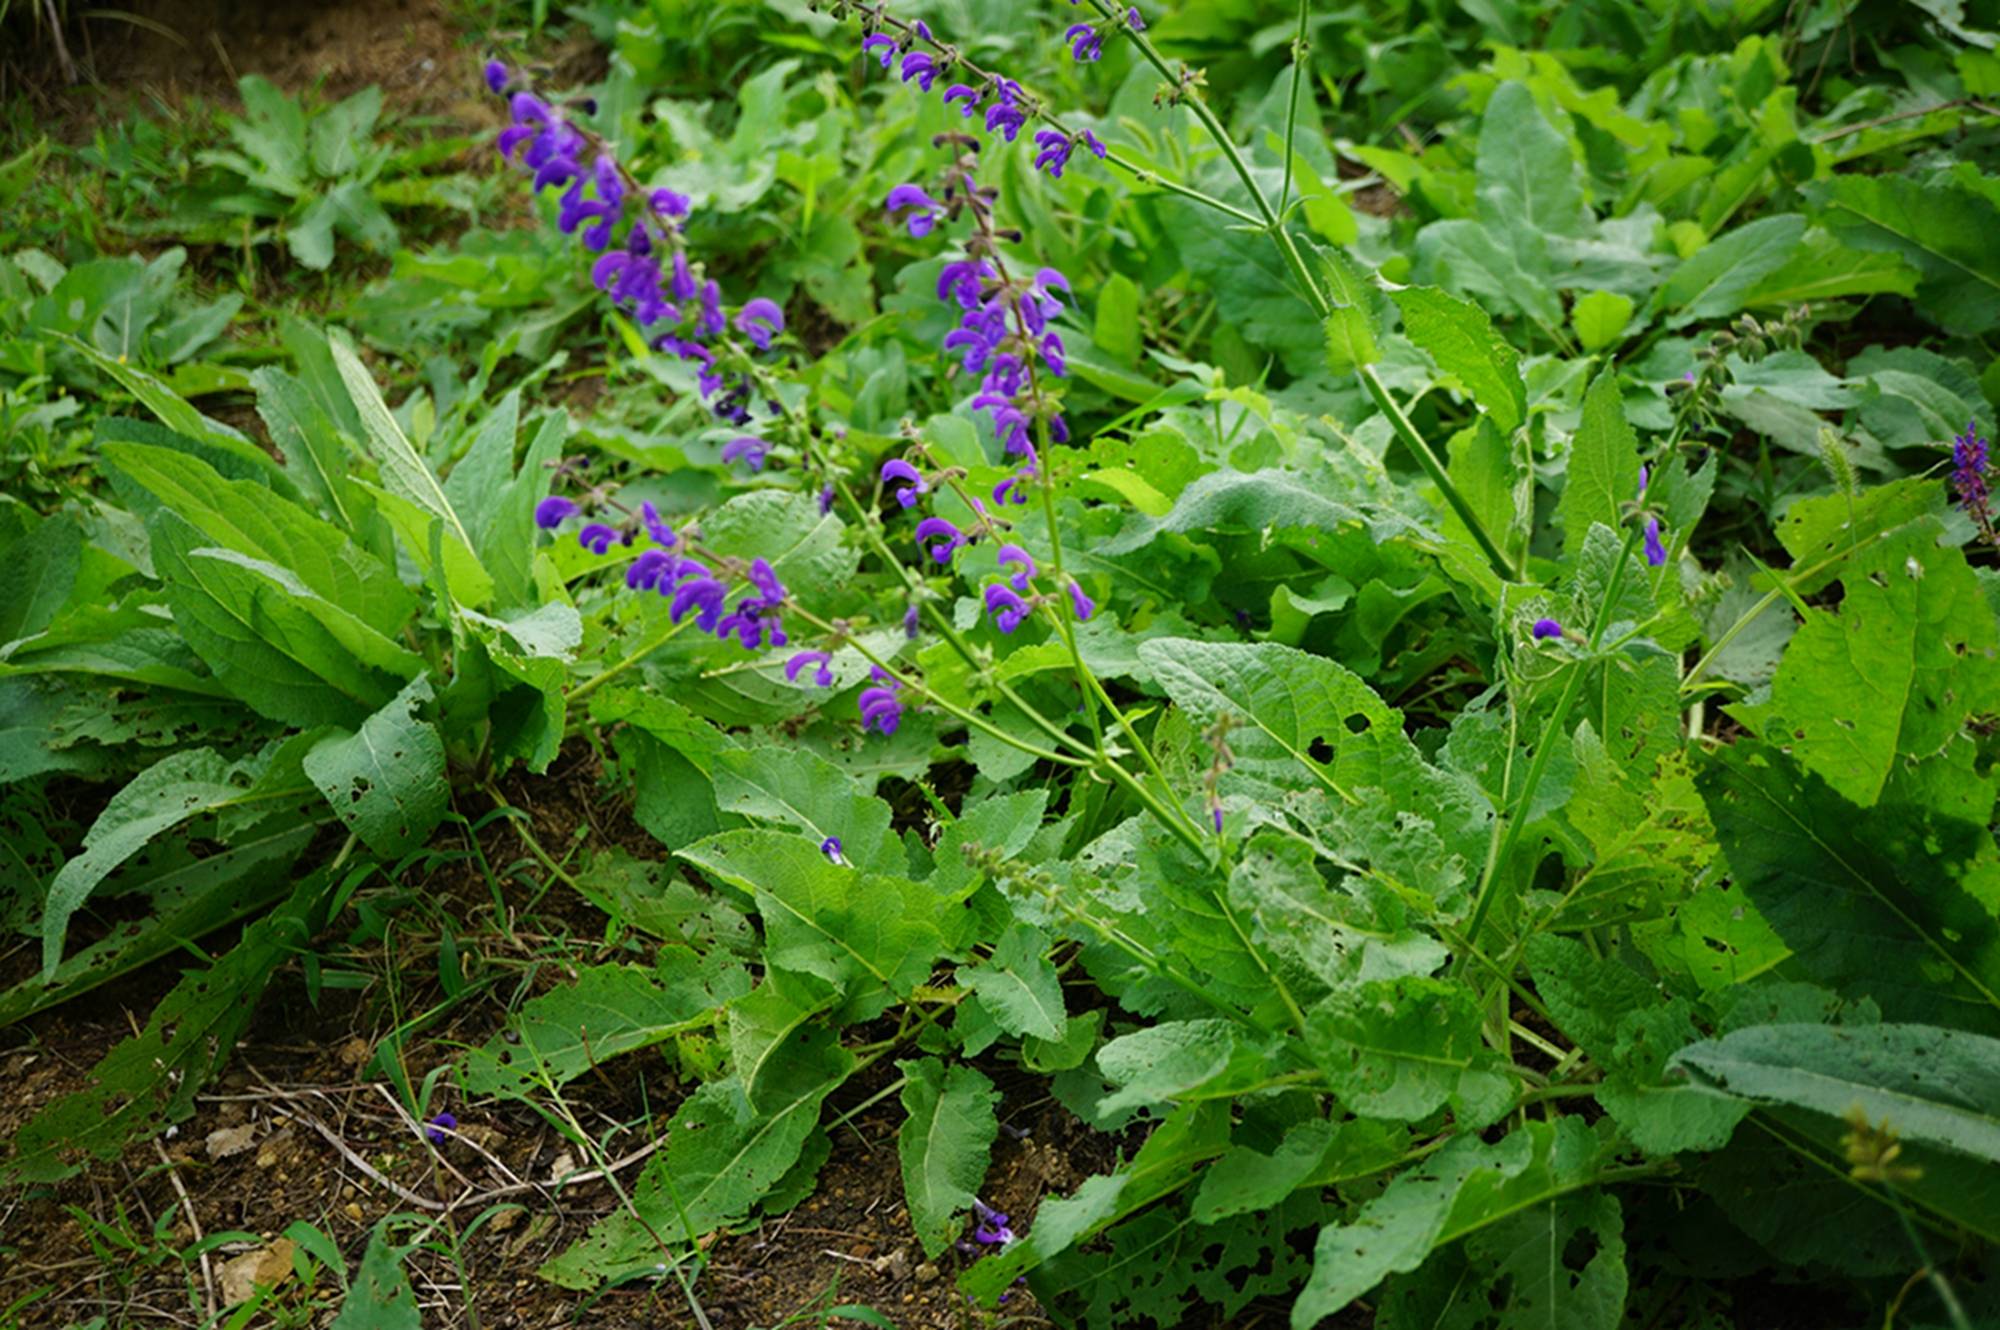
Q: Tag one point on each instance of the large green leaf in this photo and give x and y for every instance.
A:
(1402, 1048)
(387, 779)
(720, 1160)
(945, 1144)
(1943, 228)
(1912, 652)
(246, 517)
(1873, 903)
(1464, 1188)
(872, 934)
(606, 1011)
(1720, 277)
(1938, 1086)
(1462, 340)
(181, 786)
(380, 1298)
(1297, 720)
(804, 790)
(1018, 986)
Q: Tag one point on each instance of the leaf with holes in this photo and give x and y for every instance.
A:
(387, 779)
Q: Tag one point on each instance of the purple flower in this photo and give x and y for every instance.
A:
(921, 66)
(881, 709)
(1096, 145)
(496, 76)
(759, 320)
(830, 847)
(597, 537)
(1085, 44)
(656, 528)
(1014, 554)
(822, 675)
(911, 621)
(992, 1226)
(757, 614)
(963, 92)
(1133, 21)
(1082, 604)
(439, 1129)
(1054, 150)
(912, 196)
(698, 593)
(1656, 553)
(553, 511)
(906, 495)
(750, 449)
(1215, 815)
(1004, 114)
(1006, 608)
(938, 538)
(645, 572)
(825, 500)
(1547, 628)
(883, 42)
(670, 203)
(1968, 472)
(1645, 478)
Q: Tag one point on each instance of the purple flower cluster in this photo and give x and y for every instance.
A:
(905, 54)
(692, 587)
(916, 56)
(1968, 474)
(1003, 326)
(881, 707)
(649, 275)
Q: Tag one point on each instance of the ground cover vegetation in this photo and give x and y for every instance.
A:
(1230, 664)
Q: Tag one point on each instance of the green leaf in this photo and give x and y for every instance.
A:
(945, 1144)
(173, 411)
(1019, 986)
(1353, 325)
(1246, 1180)
(1461, 339)
(1238, 501)
(1717, 280)
(1912, 652)
(1528, 179)
(719, 1161)
(1941, 227)
(1465, 1187)
(606, 1011)
(1941, 1087)
(173, 790)
(1176, 1061)
(1116, 326)
(804, 790)
(1603, 469)
(1170, 1159)
(386, 780)
(854, 929)
(152, 1078)
(380, 1297)
(339, 133)
(272, 133)
(290, 654)
(38, 569)
(1298, 720)
(1600, 318)
(1402, 1048)
(404, 474)
(1873, 903)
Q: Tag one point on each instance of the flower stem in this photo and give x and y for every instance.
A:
(1552, 736)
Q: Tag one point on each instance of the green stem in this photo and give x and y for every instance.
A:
(1552, 736)
(1434, 469)
(1147, 176)
(1292, 103)
(591, 685)
(1289, 251)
